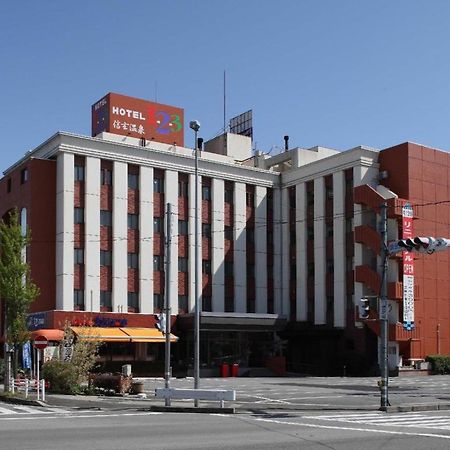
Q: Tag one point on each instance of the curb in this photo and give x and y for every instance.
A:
(22, 401)
(410, 408)
(191, 409)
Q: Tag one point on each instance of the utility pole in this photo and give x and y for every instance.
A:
(384, 334)
(167, 299)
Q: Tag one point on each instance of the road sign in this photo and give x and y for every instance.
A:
(40, 342)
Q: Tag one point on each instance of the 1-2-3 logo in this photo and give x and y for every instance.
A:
(167, 123)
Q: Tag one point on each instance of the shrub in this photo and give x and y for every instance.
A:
(62, 377)
(439, 364)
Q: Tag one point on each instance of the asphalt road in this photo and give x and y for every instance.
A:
(70, 430)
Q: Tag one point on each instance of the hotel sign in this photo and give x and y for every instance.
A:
(129, 116)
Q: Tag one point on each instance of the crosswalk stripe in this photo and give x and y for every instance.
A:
(7, 411)
(29, 409)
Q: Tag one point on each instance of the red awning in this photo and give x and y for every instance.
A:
(49, 334)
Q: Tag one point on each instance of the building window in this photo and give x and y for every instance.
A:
(8, 185)
(249, 198)
(311, 269)
(250, 235)
(206, 230)
(293, 272)
(106, 177)
(105, 258)
(105, 300)
(133, 221)
(228, 233)
(133, 301)
(183, 189)
(229, 304)
(158, 302)
(349, 263)
(310, 232)
(310, 198)
(78, 215)
(270, 272)
(330, 266)
(270, 238)
(182, 265)
(24, 176)
(133, 181)
(158, 224)
(106, 218)
(206, 303)
(183, 227)
(228, 196)
(329, 230)
(349, 225)
(79, 173)
(78, 256)
(250, 270)
(157, 263)
(158, 185)
(229, 268)
(182, 304)
(78, 299)
(206, 266)
(133, 260)
(206, 193)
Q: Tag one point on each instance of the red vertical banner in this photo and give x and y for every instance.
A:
(408, 269)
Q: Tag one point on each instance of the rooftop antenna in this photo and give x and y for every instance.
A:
(286, 143)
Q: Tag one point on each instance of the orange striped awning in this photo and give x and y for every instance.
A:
(122, 334)
(50, 334)
(147, 335)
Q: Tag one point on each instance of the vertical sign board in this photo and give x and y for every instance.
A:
(129, 116)
(408, 270)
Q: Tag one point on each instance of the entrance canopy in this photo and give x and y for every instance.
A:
(122, 334)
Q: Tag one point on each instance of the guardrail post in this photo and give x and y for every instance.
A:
(27, 382)
(12, 385)
(43, 390)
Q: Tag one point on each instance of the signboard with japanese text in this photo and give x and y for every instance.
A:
(129, 116)
(408, 270)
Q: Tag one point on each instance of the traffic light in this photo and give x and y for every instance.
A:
(161, 322)
(420, 244)
(364, 308)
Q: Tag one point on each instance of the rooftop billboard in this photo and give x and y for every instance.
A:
(129, 116)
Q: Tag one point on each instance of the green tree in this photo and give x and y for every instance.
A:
(16, 288)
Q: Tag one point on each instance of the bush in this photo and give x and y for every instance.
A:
(439, 364)
(61, 376)
(2, 368)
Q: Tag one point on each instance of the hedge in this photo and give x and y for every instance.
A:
(439, 363)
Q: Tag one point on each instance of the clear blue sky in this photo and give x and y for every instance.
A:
(337, 73)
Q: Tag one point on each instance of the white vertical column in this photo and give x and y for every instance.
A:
(261, 249)
(277, 251)
(240, 247)
(339, 249)
(64, 231)
(92, 234)
(146, 239)
(320, 300)
(286, 260)
(301, 253)
(217, 244)
(191, 299)
(171, 196)
(120, 237)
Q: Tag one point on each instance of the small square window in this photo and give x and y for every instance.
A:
(78, 215)
(79, 173)
(182, 265)
(158, 224)
(229, 269)
(206, 266)
(105, 258)
(78, 256)
(133, 181)
(158, 185)
(206, 230)
(228, 233)
(206, 193)
(106, 177)
(183, 227)
(24, 176)
(228, 196)
(183, 189)
(158, 302)
(78, 300)
(133, 260)
(157, 263)
(133, 302)
(106, 218)
(133, 221)
(105, 300)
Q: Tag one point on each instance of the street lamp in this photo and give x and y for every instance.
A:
(195, 125)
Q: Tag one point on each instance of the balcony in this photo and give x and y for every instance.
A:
(399, 334)
(367, 195)
(364, 234)
(364, 274)
(395, 291)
